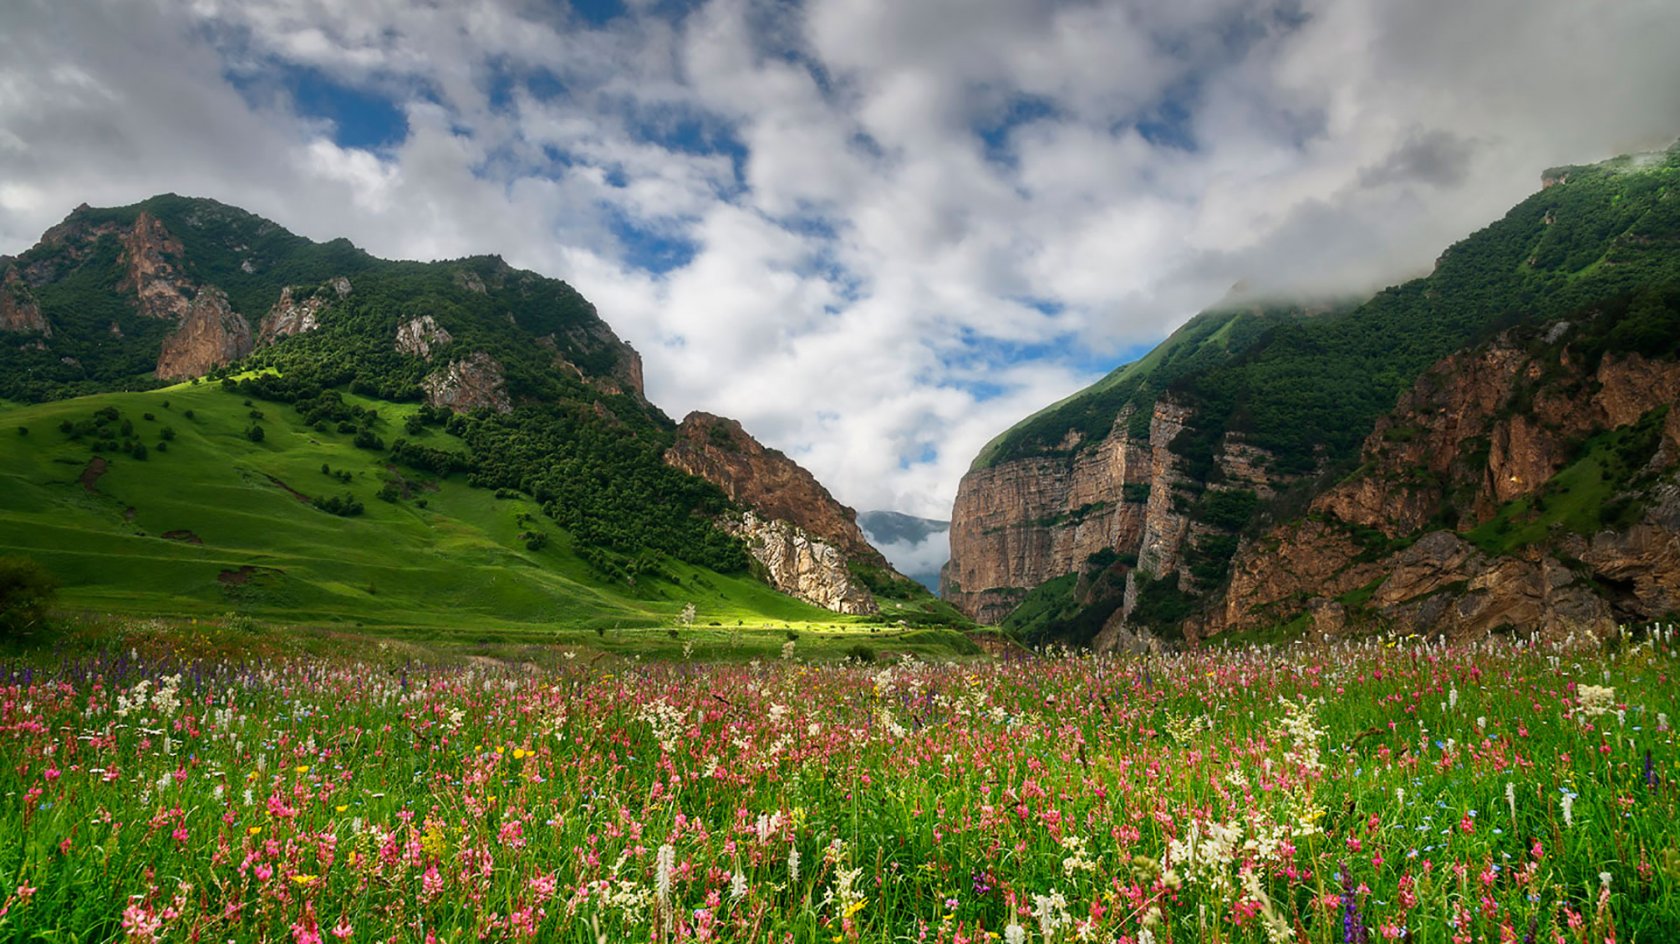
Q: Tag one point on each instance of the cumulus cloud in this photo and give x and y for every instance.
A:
(876, 232)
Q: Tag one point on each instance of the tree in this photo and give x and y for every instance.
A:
(255, 434)
(26, 591)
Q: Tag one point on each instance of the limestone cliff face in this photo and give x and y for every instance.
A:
(805, 539)
(718, 450)
(161, 290)
(1018, 524)
(291, 315)
(1478, 430)
(18, 309)
(419, 337)
(801, 565)
(1165, 525)
(474, 382)
(210, 334)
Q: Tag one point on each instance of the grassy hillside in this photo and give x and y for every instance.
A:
(210, 522)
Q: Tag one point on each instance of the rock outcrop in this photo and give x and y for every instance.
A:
(18, 309)
(807, 541)
(292, 315)
(718, 450)
(161, 290)
(420, 337)
(210, 335)
(473, 383)
(1019, 524)
(1479, 430)
(802, 565)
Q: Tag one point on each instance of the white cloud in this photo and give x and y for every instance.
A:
(917, 183)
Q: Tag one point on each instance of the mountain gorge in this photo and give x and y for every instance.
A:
(467, 371)
(1485, 448)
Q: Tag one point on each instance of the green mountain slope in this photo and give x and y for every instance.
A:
(490, 457)
(1270, 408)
(1308, 389)
(211, 522)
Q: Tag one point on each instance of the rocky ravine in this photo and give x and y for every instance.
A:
(805, 539)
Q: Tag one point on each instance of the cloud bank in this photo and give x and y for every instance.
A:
(876, 232)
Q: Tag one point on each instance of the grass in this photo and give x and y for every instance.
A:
(1583, 496)
(448, 561)
(172, 787)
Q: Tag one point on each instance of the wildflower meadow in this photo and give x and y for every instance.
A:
(1506, 791)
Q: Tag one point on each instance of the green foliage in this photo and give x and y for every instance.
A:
(1599, 489)
(255, 433)
(884, 584)
(344, 506)
(26, 592)
(1162, 606)
(1309, 388)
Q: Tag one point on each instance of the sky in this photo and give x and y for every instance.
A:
(877, 232)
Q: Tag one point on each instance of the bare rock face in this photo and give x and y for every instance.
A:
(421, 336)
(802, 565)
(718, 450)
(476, 382)
(1018, 524)
(1165, 526)
(210, 335)
(162, 292)
(18, 309)
(1454, 446)
(291, 316)
(1443, 586)
(625, 374)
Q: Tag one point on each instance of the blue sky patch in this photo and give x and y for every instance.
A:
(994, 135)
(361, 119)
(650, 248)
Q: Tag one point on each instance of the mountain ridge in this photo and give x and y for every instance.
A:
(1141, 489)
(533, 392)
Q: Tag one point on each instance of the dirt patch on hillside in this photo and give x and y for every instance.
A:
(90, 475)
(288, 489)
(129, 513)
(186, 536)
(236, 578)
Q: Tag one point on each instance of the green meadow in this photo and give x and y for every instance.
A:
(213, 525)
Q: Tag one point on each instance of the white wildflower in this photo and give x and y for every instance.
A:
(664, 862)
(1595, 700)
(1051, 911)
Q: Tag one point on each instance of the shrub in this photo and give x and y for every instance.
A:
(26, 591)
(861, 653)
(255, 434)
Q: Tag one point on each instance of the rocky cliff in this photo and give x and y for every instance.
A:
(1021, 523)
(1379, 464)
(300, 312)
(209, 335)
(802, 565)
(1515, 485)
(474, 382)
(19, 311)
(806, 539)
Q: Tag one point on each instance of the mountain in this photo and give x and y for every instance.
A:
(917, 546)
(405, 381)
(1172, 496)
